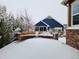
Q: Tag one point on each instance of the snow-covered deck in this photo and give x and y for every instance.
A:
(44, 34)
(38, 48)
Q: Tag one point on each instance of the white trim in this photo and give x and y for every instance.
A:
(45, 23)
(71, 15)
(75, 14)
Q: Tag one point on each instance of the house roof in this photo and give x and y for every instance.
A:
(49, 21)
(40, 24)
(52, 22)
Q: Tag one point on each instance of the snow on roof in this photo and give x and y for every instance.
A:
(49, 17)
(38, 48)
(45, 23)
(52, 22)
(40, 24)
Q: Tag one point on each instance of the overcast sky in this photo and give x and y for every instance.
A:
(38, 9)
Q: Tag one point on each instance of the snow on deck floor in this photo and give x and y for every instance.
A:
(38, 48)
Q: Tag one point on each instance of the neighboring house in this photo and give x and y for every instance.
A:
(48, 24)
(72, 31)
(41, 26)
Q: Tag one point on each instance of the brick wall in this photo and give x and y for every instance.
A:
(72, 38)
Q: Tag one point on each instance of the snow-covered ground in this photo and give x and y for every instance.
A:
(38, 48)
(46, 34)
(62, 39)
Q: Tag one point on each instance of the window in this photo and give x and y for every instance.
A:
(76, 19)
(75, 12)
(76, 8)
(44, 28)
(37, 29)
(41, 28)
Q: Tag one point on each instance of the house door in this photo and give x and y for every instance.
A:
(41, 29)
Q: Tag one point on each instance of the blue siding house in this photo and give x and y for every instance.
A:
(48, 23)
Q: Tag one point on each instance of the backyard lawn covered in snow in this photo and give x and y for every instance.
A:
(38, 48)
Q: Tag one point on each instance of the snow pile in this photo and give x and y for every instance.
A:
(62, 39)
(74, 27)
(46, 34)
(38, 48)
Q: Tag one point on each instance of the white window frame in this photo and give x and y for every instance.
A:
(75, 2)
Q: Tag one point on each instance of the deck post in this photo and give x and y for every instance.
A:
(69, 14)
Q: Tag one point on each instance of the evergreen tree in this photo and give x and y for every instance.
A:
(5, 27)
